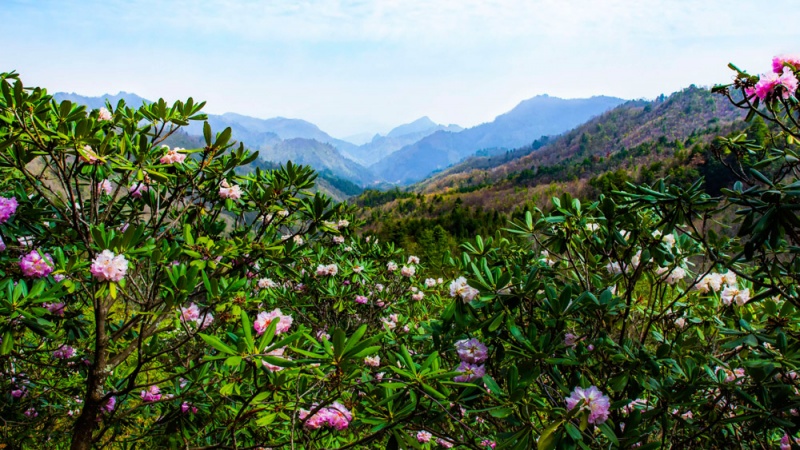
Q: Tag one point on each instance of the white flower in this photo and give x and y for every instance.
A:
(358, 269)
(729, 278)
(372, 361)
(266, 283)
(298, 240)
(680, 322)
(408, 271)
(413, 260)
(338, 239)
(343, 223)
(733, 294)
(283, 213)
(104, 115)
(391, 266)
(460, 288)
(676, 275)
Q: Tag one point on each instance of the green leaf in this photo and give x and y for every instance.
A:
(216, 343)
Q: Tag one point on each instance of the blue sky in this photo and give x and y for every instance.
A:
(365, 66)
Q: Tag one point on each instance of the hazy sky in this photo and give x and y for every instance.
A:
(361, 66)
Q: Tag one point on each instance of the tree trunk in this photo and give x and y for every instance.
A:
(87, 421)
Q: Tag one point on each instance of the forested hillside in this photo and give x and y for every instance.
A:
(638, 141)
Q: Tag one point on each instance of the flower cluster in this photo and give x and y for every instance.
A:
(152, 394)
(782, 82)
(265, 318)
(592, 400)
(730, 293)
(8, 207)
(64, 352)
(173, 156)
(336, 416)
(192, 314)
(329, 270)
(36, 264)
(233, 192)
(136, 190)
(472, 353)
(109, 267)
(460, 288)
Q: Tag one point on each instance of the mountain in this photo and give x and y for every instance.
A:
(539, 116)
(131, 99)
(319, 156)
(382, 146)
(638, 141)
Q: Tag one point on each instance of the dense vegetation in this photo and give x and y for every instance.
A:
(154, 297)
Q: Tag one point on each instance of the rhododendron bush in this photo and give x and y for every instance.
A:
(161, 297)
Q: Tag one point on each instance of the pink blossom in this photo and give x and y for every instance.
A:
(789, 82)
(31, 413)
(361, 299)
(372, 361)
(226, 190)
(8, 207)
(418, 296)
(444, 443)
(190, 314)
(104, 186)
(470, 372)
(153, 394)
(88, 155)
(590, 399)
(336, 416)
(136, 190)
(205, 320)
(785, 444)
(18, 393)
(2, 245)
(64, 352)
(460, 288)
(186, 407)
(570, 339)
(486, 443)
(778, 62)
(104, 115)
(107, 266)
(266, 283)
(56, 309)
(471, 351)
(424, 436)
(110, 404)
(769, 82)
(173, 156)
(408, 271)
(338, 239)
(430, 282)
(36, 265)
(391, 266)
(264, 319)
(413, 260)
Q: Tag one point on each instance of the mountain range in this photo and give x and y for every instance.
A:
(406, 154)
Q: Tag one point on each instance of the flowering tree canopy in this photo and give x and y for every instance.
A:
(160, 297)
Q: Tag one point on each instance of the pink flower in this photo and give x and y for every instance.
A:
(391, 266)
(136, 190)
(413, 260)
(471, 351)
(372, 361)
(185, 407)
(88, 155)
(56, 309)
(64, 352)
(460, 288)
(590, 399)
(361, 299)
(173, 156)
(153, 394)
(264, 319)
(227, 191)
(104, 115)
(418, 296)
(36, 265)
(190, 314)
(8, 207)
(570, 339)
(470, 372)
(769, 82)
(408, 271)
(424, 436)
(18, 393)
(486, 443)
(205, 320)
(266, 283)
(110, 404)
(444, 443)
(785, 444)
(107, 266)
(778, 62)
(336, 416)
(789, 82)
(31, 413)
(104, 186)
(2, 245)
